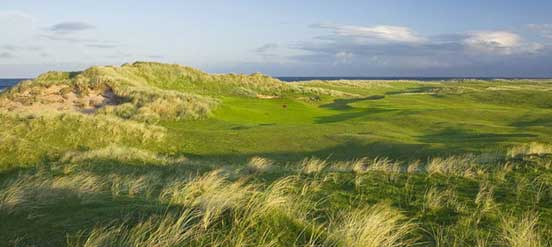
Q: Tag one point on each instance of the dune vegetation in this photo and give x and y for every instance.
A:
(150, 154)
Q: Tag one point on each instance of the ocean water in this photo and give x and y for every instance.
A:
(5, 83)
(333, 78)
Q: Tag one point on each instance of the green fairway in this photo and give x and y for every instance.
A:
(385, 121)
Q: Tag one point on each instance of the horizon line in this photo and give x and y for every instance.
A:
(361, 77)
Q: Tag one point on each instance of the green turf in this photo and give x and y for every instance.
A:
(397, 125)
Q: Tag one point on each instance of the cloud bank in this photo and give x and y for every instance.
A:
(326, 49)
(383, 50)
(374, 34)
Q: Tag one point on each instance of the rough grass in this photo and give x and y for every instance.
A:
(533, 148)
(27, 139)
(135, 98)
(521, 231)
(180, 204)
(376, 226)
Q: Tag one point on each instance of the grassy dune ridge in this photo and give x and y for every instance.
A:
(150, 154)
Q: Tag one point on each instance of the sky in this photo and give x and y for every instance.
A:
(422, 38)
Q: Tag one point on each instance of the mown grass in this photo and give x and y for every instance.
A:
(184, 158)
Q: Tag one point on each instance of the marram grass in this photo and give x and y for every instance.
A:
(180, 204)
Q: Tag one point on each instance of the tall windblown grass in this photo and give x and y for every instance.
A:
(436, 199)
(453, 165)
(170, 229)
(485, 198)
(376, 226)
(365, 164)
(223, 213)
(313, 165)
(32, 192)
(134, 97)
(152, 105)
(165, 201)
(120, 154)
(29, 139)
(210, 191)
(533, 148)
(259, 165)
(521, 231)
(215, 211)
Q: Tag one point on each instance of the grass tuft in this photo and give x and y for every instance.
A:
(521, 231)
(376, 226)
(533, 148)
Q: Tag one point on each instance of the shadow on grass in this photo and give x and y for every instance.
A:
(425, 89)
(349, 149)
(245, 127)
(343, 104)
(351, 114)
(467, 141)
(449, 141)
(66, 213)
(532, 121)
(458, 135)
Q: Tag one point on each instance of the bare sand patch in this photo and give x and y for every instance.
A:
(262, 96)
(60, 98)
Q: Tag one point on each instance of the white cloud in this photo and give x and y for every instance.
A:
(343, 57)
(384, 50)
(499, 42)
(377, 34)
(494, 39)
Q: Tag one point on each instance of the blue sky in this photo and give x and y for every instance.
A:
(282, 38)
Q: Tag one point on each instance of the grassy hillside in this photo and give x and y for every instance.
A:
(150, 154)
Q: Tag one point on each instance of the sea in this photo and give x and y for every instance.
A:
(5, 83)
(335, 78)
